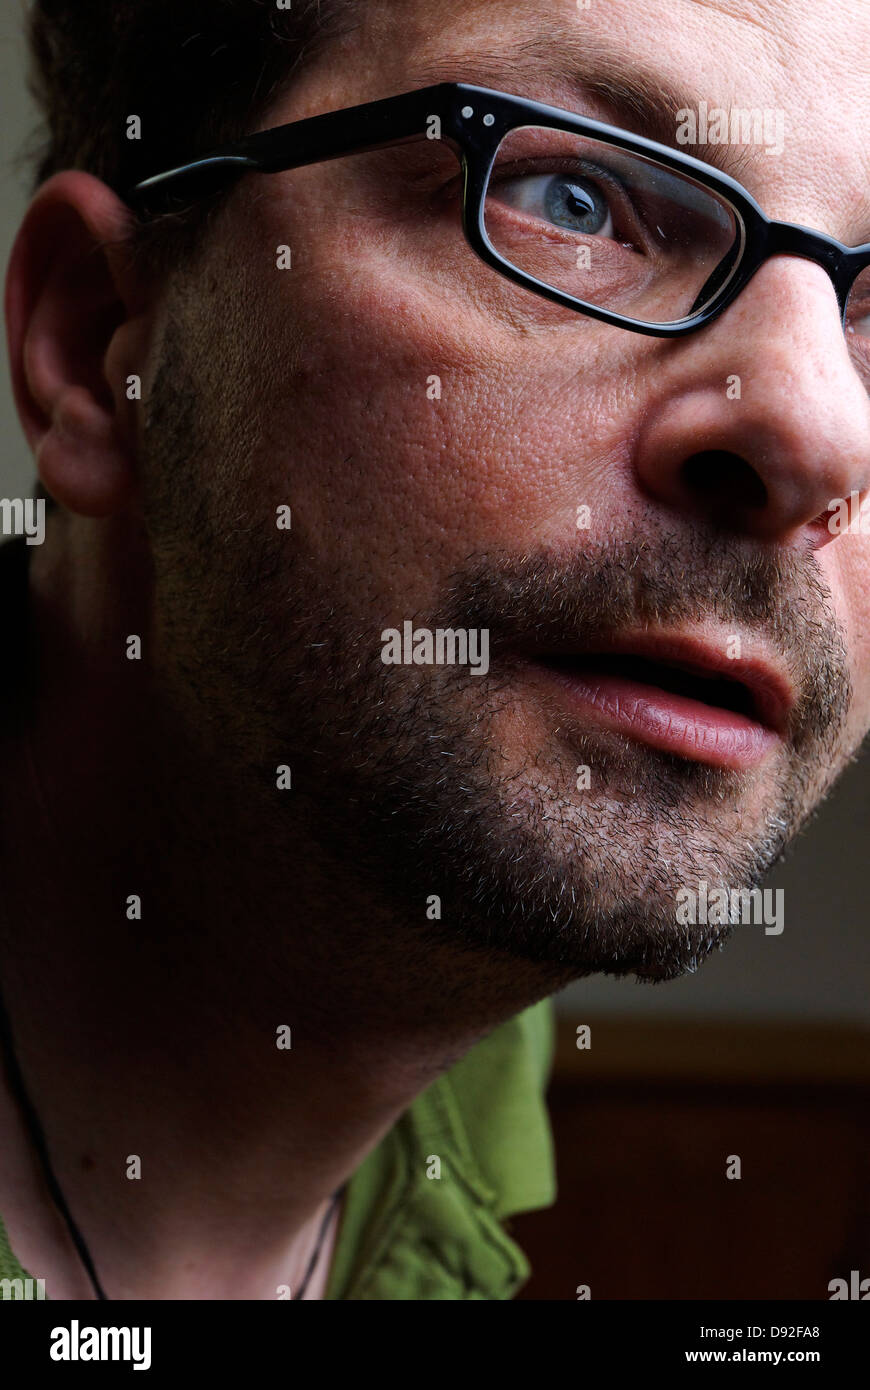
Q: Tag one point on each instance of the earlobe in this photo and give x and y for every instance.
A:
(64, 306)
(80, 460)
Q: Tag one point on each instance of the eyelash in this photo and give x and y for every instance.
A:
(607, 183)
(450, 192)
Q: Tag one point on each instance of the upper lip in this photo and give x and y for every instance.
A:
(771, 690)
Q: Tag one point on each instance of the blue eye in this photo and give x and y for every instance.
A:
(576, 205)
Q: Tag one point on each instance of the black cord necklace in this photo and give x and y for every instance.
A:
(37, 1135)
(10, 555)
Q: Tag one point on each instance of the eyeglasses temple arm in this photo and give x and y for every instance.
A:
(330, 136)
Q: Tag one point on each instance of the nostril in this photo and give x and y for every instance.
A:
(725, 480)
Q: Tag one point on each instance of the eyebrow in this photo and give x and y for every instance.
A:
(633, 95)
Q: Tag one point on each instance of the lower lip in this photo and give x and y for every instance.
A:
(672, 723)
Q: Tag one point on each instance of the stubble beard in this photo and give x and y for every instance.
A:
(417, 782)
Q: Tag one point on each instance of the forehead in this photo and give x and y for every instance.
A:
(795, 47)
(793, 57)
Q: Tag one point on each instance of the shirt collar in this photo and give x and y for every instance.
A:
(422, 1216)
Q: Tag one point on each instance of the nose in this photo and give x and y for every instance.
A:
(761, 419)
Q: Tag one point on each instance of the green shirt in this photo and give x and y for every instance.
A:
(407, 1233)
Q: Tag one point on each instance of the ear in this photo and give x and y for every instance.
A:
(77, 327)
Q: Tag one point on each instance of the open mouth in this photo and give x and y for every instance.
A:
(705, 687)
(673, 694)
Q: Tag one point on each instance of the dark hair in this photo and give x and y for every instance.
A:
(196, 72)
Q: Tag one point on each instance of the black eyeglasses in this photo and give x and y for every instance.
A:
(618, 227)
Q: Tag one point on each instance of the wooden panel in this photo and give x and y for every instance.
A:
(718, 1051)
(645, 1209)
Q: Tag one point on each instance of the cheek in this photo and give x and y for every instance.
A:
(417, 426)
(845, 564)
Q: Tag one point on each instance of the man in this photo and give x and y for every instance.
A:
(404, 639)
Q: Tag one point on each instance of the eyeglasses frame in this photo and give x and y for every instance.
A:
(476, 138)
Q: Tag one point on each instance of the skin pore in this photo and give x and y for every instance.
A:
(261, 648)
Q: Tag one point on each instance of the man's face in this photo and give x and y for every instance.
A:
(455, 504)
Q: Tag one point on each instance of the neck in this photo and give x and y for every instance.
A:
(191, 981)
